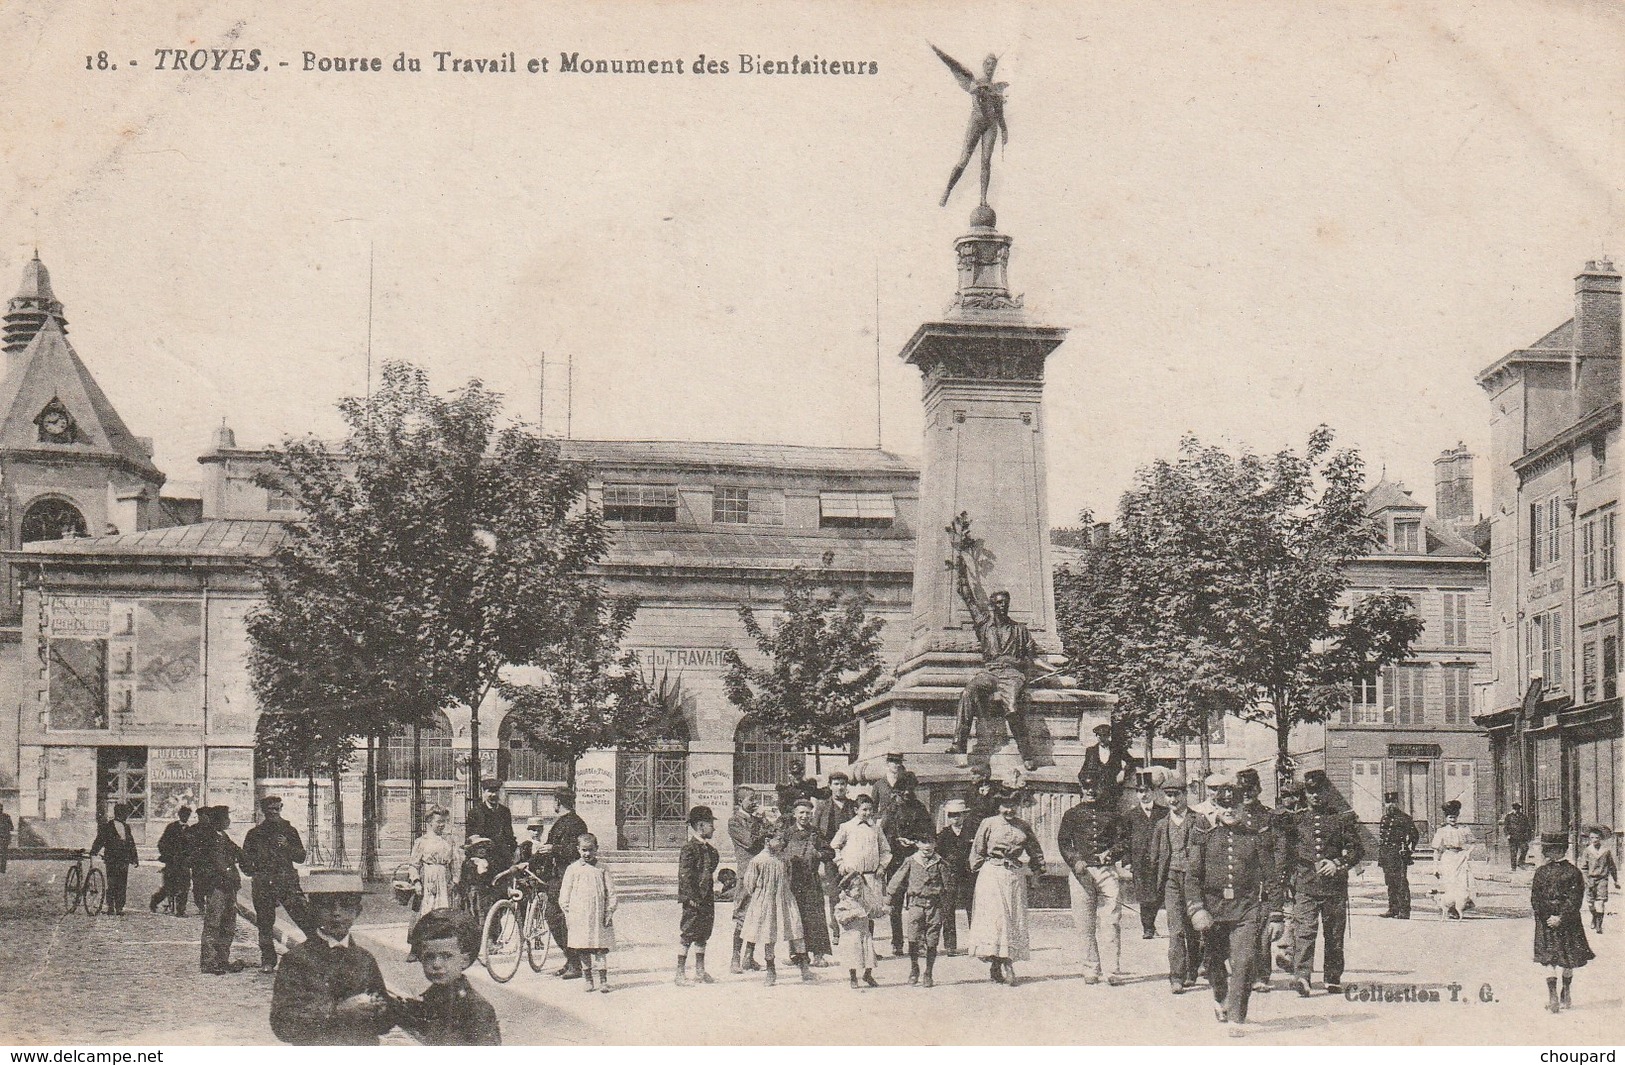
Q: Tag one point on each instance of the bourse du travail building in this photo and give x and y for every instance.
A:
(125, 652)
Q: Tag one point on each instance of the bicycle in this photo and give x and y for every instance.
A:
(516, 926)
(84, 888)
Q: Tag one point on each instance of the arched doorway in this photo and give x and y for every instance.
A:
(52, 519)
(438, 768)
(519, 759)
(651, 789)
(763, 762)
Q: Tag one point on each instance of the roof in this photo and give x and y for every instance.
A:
(711, 549)
(48, 368)
(714, 454)
(36, 281)
(1388, 495)
(1442, 540)
(235, 538)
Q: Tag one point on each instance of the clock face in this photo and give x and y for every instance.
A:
(55, 424)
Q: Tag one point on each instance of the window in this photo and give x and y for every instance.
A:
(762, 761)
(1409, 684)
(277, 497)
(856, 510)
(1588, 667)
(1458, 694)
(1599, 457)
(747, 506)
(1363, 708)
(1365, 788)
(1546, 545)
(1543, 650)
(1455, 619)
(1597, 550)
(52, 519)
(1408, 536)
(122, 777)
(640, 502)
(1459, 780)
(1610, 666)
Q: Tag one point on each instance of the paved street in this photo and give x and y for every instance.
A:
(135, 981)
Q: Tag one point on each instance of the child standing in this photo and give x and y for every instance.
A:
(768, 912)
(451, 1012)
(1598, 865)
(856, 947)
(587, 897)
(1556, 895)
(925, 884)
(696, 892)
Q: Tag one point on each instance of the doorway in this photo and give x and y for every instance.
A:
(121, 776)
(651, 799)
(1415, 787)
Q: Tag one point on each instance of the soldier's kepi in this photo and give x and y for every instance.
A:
(999, 689)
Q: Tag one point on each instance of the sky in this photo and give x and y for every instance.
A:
(1253, 218)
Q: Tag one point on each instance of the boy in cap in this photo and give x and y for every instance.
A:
(328, 989)
(450, 1012)
(1556, 895)
(923, 886)
(697, 894)
(271, 849)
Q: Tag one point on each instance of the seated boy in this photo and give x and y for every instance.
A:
(451, 1012)
(328, 989)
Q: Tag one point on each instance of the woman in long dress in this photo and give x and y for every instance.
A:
(1004, 854)
(1452, 862)
(434, 862)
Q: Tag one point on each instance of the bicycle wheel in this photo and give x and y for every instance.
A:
(70, 888)
(95, 891)
(538, 939)
(503, 941)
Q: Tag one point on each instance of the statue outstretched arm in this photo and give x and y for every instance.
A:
(967, 581)
(962, 74)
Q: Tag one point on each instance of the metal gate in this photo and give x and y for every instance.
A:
(122, 778)
(651, 799)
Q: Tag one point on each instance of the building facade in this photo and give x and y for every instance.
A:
(1553, 704)
(1409, 728)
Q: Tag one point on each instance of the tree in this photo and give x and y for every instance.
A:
(823, 661)
(585, 691)
(433, 548)
(1223, 586)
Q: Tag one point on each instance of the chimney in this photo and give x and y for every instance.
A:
(1453, 486)
(1596, 336)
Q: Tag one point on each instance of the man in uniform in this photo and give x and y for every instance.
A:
(1257, 817)
(905, 821)
(1324, 848)
(271, 849)
(492, 820)
(1169, 842)
(953, 845)
(1396, 839)
(177, 874)
(1139, 825)
(1091, 842)
(1232, 886)
(1516, 826)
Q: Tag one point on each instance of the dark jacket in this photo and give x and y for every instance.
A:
(271, 849)
(1231, 870)
(1396, 838)
(495, 823)
(6, 827)
(1169, 843)
(564, 837)
(831, 814)
(1516, 826)
(1114, 770)
(954, 848)
(173, 844)
(311, 980)
(1317, 835)
(1138, 828)
(696, 873)
(916, 880)
(748, 834)
(194, 839)
(451, 1015)
(1089, 830)
(114, 844)
(906, 819)
(215, 862)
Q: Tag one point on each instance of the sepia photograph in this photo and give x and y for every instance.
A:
(847, 524)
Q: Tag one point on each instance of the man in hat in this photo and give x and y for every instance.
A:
(329, 990)
(1232, 886)
(904, 821)
(831, 813)
(953, 845)
(696, 894)
(1396, 839)
(883, 788)
(117, 848)
(1170, 841)
(1259, 818)
(216, 868)
(1139, 825)
(177, 880)
(1108, 763)
(1516, 825)
(271, 849)
(559, 852)
(999, 689)
(1092, 843)
(494, 821)
(1320, 854)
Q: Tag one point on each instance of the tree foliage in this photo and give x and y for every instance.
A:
(1222, 587)
(822, 653)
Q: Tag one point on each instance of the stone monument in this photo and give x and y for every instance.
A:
(983, 681)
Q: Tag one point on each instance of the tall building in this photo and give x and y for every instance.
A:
(1409, 728)
(1553, 706)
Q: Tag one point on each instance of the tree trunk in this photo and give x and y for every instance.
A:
(369, 813)
(417, 782)
(310, 816)
(474, 772)
(1283, 744)
(1207, 750)
(340, 852)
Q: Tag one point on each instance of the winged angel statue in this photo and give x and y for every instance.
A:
(986, 118)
